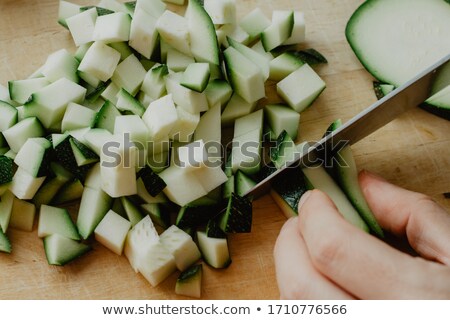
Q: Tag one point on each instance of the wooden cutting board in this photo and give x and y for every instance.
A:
(413, 151)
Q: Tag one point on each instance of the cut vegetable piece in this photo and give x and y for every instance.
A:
(48, 191)
(56, 220)
(93, 207)
(67, 10)
(60, 250)
(193, 216)
(284, 151)
(232, 31)
(311, 56)
(22, 215)
(177, 180)
(208, 129)
(243, 183)
(135, 128)
(214, 250)
(298, 30)
(204, 45)
(246, 155)
(129, 74)
(157, 213)
(160, 117)
(9, 116)
(258, 59)
(158, 263)
(284, 65)
(211, 177)
(152, 182)
(139, 239)
(186, 124)
(382, 89)
(143, 34)
(221, 11)
(6, 170)
(50, 102)
(374, 49)
(281, 118)
(441, 99)
(154, 84)
(146, 197)
(123, 48)
(83, 155)
(100, 61)
(189, 282)
(112, 232)
(237, 107)
(132, 212)
(301, 88)
(255, 22)
(287, 189)
(106, 116)
(318, 178)
(173, 28)
(112, 5)
(24, 186)
(21, 90)
(5, 244)
(6, 207)
(76, 117)
(244, 76)
(113, 27)
(218, 92)
(250, 122)
(181, 246)
(96, 138)
(237, 217)
(61, 64)
(279, 31)
(82, 26)
(69, 192)
(178, 61)
(196, 76)
(154, 7)
(34, 157)
(191, 101)
(100, 11)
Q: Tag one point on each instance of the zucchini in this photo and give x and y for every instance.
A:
(18, 134)
(189, 282)
(132, 211)
(60, 250)
(9, 116)
(194, 216)
(196, 76)
(152, 182)
(5, 244)
(6, 170)
(6, 207)
(112, 232)
(71, 191)
(280, 117)
(373, 43)
(214, 251)
(22, 215)
(158, 213)
(243, 183)
(106, 116)
(237, 217)
(56, 220)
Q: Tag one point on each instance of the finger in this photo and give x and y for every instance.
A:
(296, 277)
(361, 264)
(424, 222)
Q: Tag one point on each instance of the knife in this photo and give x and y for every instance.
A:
(409, 95)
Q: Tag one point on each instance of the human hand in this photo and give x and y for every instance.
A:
(319, 255)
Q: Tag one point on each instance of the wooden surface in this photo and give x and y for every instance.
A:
(413, 151)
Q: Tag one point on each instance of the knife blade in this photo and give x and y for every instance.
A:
(409, 95)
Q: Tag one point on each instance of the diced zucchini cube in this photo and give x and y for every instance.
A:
(247, 123)
(177, 61)
(196, 76)
(77, 116)
(17, 135)
(61, 64)
(218, 91)
(160, 117)
(154, 84)
(113, 27)
(9, 116)
(192, 156)
(301, 88)
(135, 127)
(173, 28)
(143, 34)
(298, 31)
(279, 31)
(82, 26)
(22, 215)
(158, 264)
(181, 246)
(237, 107)
(56, 220)
(246, 152)
(191, 101)
(34, 156)
(281, 118)
(6, 207)
(254, 22)
(24, 185)
(112, 232)
(129, 74)
(221, 11)
(21, 90)
(67, 10)
(100, 61)
(186, 124)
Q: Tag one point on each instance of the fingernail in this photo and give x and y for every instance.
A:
(303, 199)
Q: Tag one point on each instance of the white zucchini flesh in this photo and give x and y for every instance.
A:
(214, 250)
(82, 26)
(113, 27)
(22, 215)
(181, 246)
(143, 33)
(6, 207)
(413, 35)
(173, 28)
(254, 22)
(321, 180)
(77, 117)
(129, 74)
(112, 232)
(160, 117)
(221, 11)
(56, 220)
(24, 186)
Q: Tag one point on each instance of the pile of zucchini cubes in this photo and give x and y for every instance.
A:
(132, 124)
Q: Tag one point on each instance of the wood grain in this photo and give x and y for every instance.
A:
(412, 151)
